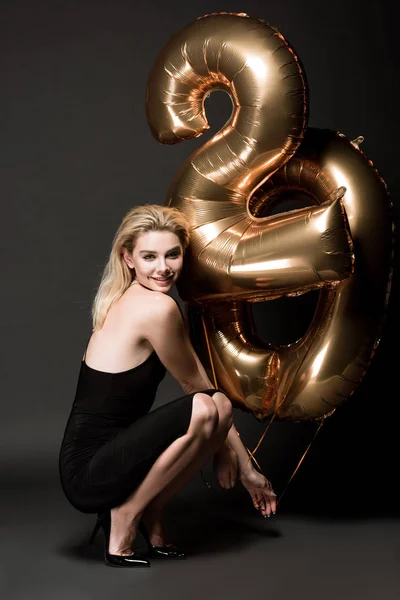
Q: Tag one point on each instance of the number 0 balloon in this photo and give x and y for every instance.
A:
(240, 253)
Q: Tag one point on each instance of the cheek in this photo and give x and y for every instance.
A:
(178, 265)
(143, 266)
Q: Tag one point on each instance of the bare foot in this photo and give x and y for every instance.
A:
(123, 532)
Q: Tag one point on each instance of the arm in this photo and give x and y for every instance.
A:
(231, 460)
(167, 333)
(244, 462)
(234, 457)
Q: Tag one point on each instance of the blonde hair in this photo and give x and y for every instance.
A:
(117, 276)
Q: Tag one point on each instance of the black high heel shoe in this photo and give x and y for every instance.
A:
(115, 560)
(160, 551)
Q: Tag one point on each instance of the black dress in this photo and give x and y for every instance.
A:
(111, 440)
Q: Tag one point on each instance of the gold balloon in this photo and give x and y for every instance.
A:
(240, 253)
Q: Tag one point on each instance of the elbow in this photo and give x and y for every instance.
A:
(189, 388)
(198, 386)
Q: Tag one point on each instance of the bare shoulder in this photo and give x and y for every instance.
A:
(156, 321)
(154, 299)
(151, 310)
(161, 306)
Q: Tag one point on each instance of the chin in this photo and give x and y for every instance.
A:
(163, 288)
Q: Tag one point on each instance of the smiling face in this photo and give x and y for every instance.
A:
(157, 259)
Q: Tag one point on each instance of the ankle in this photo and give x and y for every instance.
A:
(124, 513)
(123, 531)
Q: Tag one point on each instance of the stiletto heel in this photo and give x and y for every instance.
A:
(171, 551)
(115, 560)
(95, 530)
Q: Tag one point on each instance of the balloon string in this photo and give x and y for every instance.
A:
(209, 351)
(300, 461)
(292, 475)
(251, 453)
(216, 385)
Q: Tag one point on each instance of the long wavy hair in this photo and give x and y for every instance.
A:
(117, 276)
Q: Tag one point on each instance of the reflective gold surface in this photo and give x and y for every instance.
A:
(241, 253)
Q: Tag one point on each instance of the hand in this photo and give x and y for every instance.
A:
(225, 465)
(260, 490)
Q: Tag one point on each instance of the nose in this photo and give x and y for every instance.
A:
(162, 266)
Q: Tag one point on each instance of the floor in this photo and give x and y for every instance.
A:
(234, 553)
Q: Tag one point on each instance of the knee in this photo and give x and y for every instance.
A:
(205, 416)
(225, 410)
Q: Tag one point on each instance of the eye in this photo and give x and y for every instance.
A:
(148, 256)
(174, 254)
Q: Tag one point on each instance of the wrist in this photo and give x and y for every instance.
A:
(245, 469)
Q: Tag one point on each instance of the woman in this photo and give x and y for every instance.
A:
(117, 458)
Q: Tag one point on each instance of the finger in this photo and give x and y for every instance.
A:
(255, 502)
(272, 498)
(232, 478)
(267, 506)
(263, 504)
(259, 503)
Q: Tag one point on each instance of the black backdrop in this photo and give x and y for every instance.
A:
(76, 153)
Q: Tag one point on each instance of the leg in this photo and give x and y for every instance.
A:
(153, 511)
(125, 518)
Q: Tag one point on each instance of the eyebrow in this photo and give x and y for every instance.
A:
(154, 252)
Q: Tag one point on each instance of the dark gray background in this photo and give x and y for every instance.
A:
(77, 153)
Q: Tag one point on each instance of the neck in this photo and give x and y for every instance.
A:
(138, 283)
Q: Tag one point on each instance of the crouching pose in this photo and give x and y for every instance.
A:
(117, 458)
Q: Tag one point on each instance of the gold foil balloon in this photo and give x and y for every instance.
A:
(240, 253)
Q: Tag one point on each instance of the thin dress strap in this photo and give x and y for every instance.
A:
(180, 310)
